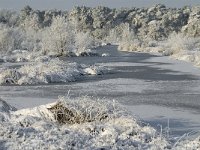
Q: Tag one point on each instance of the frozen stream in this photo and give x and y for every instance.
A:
(154, 88)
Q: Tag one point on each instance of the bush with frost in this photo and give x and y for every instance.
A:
(129, 41)
(113, 36)
(83, 42)
(33, 34)
(43, 72)
(192, 27)
(10, 39)
(78, 111)
(58, 39)
(8, 17)
(178, 42)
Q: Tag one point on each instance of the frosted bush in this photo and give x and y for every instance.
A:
(83, 110)
(178, 42)
(43, 72)
(129, 41)
(58, 39)
(48, 72)
(113, 37)
(32, 40)
(10, 39)
(83, 41)
(11, 18)
(31, 22)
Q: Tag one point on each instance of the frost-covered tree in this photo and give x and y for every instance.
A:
(58, 39)
(83, 41)
(129, 40)
(113, 36)
(8, 17)
(10, 39)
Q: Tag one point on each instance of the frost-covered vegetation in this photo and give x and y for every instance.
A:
(72, 33)
(52, 71)
(83, 123)
(58, 37)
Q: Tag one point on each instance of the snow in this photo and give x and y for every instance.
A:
(53, 71)
(37, 128)
(105, 54)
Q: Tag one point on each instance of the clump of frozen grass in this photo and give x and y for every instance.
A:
(84, 109)
(52, 71)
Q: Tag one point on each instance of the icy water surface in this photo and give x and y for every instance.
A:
(155, 88)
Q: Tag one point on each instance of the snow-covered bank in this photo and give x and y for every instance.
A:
(81, 123)
(53, 71)
(87, 123)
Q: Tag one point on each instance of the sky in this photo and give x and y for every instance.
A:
(69, 4)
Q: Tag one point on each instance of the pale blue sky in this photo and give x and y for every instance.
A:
(68, 4)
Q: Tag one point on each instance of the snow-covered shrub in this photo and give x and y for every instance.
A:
(31, 22)
(68, 111)
(58, 39)
(10, 39)
(178, 42)
(43, 72)
(192, 27)
(129, 41)
(8, 17)
(32, 40)
(83, 41)
(114, 36)
(49, 72)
